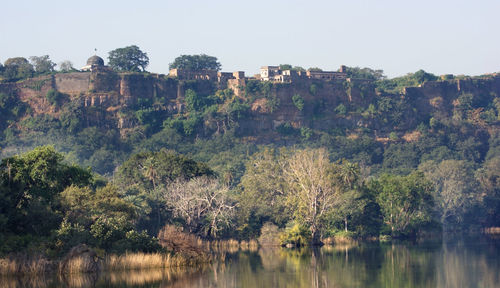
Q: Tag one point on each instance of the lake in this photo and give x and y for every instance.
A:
(441, 263)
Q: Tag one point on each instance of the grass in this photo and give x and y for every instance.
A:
(492, 230)
(25, 265)
(134, 261)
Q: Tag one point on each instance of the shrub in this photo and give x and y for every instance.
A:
(53, 96)
(298, 101)
(269, 235)
(295, 235)
(341, 109)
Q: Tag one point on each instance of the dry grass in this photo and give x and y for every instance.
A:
(412, 136)
(79, 265)
(136, 261)
(492, 230)
(339, 240)
(18, 265)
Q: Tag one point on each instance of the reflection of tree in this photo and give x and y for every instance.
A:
(396, 265)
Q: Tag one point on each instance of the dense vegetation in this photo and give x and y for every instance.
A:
(197, 169)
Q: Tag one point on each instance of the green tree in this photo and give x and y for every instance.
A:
(30, 185)
(101, 218)
(489, 179)
(144, 176)
(196, 63)
(129, 58)
(42, 64)
(455, 190)
(298, 101)
(53, 96)
(17, 68)
(365, 73)
(406, 202)
(263, 192)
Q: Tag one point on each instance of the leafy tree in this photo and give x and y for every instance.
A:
(129, 58)
(196, 63)
(455, 190)
(195, 101)
(489, 179)
(30, 184)
(396, 85)
(365, 73)
(42, 64)
(17, 68)
(144, 176)
(315, 69)
(102, 218)
(406, 202)
(285, 67)
(53, 96)
(298, 101)
(263, 196)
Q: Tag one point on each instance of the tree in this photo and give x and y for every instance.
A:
(455, 190)
(144, 176)
(263, 197)
(298, 101)
(365, 73)
(406, 202)
(30, 185)
(312, 190)
(129, 58)
(42, 64)
(18, 68)
(489, 179)
(202, 202)
(66, 66)
(196, 63)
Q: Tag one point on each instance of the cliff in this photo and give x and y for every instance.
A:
(106, 97)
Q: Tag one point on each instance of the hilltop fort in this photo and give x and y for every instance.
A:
(271, 96)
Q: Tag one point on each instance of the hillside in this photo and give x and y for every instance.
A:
(397, 157)
(99, 118)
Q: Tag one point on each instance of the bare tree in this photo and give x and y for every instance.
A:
(66, 66)
(202, 202)
(312, 187)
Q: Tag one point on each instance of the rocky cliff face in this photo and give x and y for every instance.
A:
(109, 93)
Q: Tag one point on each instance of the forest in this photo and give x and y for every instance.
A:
(65, 182)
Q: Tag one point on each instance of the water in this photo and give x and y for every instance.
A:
(432, 264)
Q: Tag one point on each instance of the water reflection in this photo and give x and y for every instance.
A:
(431, 264)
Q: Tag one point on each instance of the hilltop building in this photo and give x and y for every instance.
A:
(275, 74)
(94, 63)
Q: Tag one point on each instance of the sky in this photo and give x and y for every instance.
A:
(397, 36)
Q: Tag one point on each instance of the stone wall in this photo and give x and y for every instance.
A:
(72, 83)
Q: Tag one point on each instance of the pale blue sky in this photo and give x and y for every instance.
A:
(398, 36)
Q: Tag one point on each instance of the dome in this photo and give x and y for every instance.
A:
(95, 60)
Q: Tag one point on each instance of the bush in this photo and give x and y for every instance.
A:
(341, 109)
(269, 235)
(295, 235)
(298, 101)
(53, 96)
(137, 242)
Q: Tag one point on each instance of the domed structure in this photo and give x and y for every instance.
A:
(94, 62)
